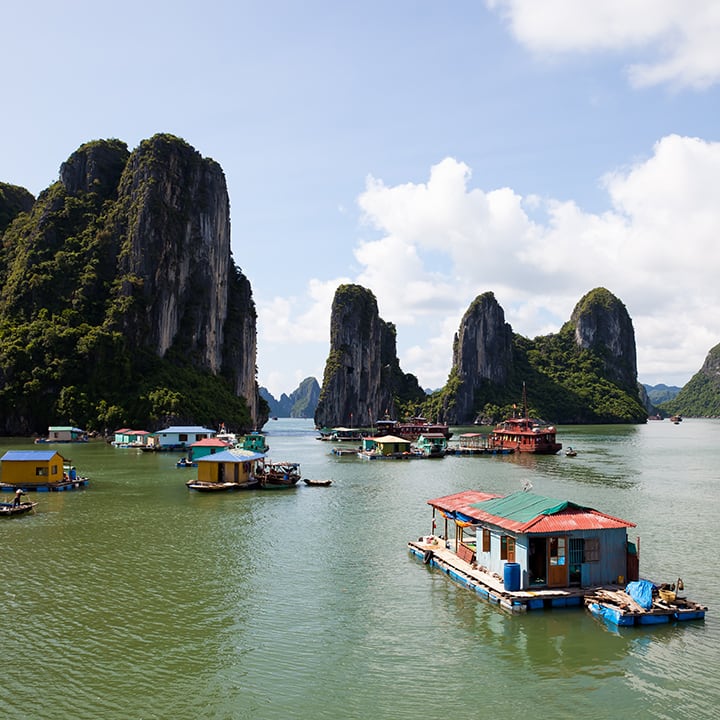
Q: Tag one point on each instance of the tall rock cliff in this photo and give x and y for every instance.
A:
(585, 373)
(362, 377)
(125, 261)
(603, 326)
(482, 352)
(176, 263)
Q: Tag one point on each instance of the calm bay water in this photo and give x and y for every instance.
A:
(136, 598)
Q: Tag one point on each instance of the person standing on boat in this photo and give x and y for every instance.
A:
(18, 494)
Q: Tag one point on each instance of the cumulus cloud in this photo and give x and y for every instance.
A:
(676, 38)
(438, 244)
(442, 243)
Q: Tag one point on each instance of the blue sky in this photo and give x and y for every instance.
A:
(430, 151)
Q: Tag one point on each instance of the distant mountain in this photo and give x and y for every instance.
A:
(661, 393)
(301, 403)
(701, 396)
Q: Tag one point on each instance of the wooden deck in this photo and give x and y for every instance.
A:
(432, 551)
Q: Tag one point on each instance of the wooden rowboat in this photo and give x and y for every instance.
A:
(317, 483)
(8, 509)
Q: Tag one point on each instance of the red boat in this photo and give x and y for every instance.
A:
(523, 434)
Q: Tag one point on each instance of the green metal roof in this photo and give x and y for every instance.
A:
(522, 507)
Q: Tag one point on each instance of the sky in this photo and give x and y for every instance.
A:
(428, 150)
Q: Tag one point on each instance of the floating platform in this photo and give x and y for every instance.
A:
(433, 551)
(46, 487)
(611, 603)
(618, 608)
(478, 451)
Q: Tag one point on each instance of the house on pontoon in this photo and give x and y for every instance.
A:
(233, 465)
(126, 437)
(550, 543)
(387, 446)
(178, 437)
(208, 446)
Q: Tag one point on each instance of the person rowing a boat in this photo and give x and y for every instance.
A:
(16, 500)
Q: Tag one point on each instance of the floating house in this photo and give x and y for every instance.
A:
(37, 470)
(233, 466)
(178, 437)
(64, 433)
(127, 438)
(553, 543)
(255, 442)
(432, 444)
(387, 446)
(525, 551)
(208, 446)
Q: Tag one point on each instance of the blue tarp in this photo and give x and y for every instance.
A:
(641, 592)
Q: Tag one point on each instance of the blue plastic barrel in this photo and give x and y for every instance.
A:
(511, 577)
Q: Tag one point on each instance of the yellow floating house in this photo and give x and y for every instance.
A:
(37, 470)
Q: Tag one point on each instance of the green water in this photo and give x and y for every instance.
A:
(136, 598)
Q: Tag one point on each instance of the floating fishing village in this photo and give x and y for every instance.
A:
(519, 551)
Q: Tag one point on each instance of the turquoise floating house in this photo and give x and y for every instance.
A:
(208, 446)
(126, 438)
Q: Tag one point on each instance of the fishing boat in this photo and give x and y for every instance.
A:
(317, 483)
(525, 435)
(9, 509)
(277, 475)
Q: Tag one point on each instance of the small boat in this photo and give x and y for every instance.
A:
(277, 475)
(205, 486)
(677, 419)
(184, 462)
(570, 452)
(9, 509)
(317, 483)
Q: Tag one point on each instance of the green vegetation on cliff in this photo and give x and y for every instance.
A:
(701, 396)
(64, 357)
(565, 384)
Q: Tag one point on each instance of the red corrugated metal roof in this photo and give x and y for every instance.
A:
(461, 501)
(566, 520)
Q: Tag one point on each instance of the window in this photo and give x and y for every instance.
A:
(507, 548)
(591, 550)
(576, 551)
(557, 551)
(41, 471)
(485, 540)
(182, 437)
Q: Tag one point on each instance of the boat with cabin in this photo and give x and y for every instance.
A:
(525, 434)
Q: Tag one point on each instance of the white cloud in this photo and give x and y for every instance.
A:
(679, 37)
(440, 244)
